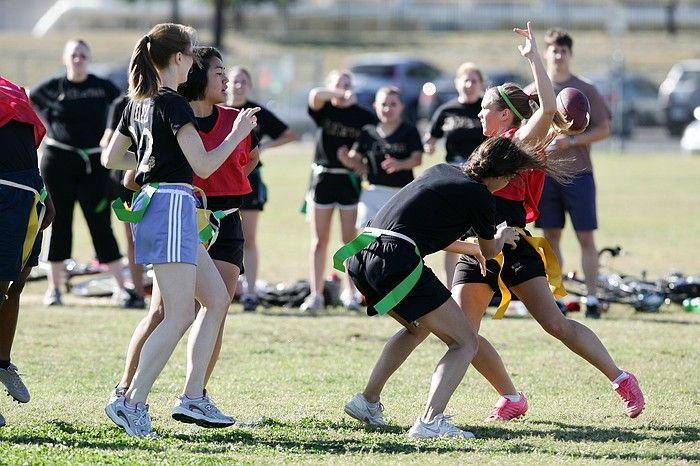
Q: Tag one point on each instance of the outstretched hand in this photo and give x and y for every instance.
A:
(529, 49)
(246, 120)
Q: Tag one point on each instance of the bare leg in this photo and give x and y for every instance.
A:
(536, 295)
(474, 298)
(135, 270)
(142, 331)
(449, 324)
(115, 268)
(553, 237)
(320, 233)
(395, 352)
(9, 312)
(249, 220)
(450, 263)
(229, 273)
(55, 275)
(348, 217)
(589, 260)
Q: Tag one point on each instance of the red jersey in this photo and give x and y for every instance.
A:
(526, 187)
(229, 179)
(14, 105)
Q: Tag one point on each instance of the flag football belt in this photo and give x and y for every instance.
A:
(208, 222)
(364, 239)
(318, 169)
(35, 218)
(551, 268)
(83, 153)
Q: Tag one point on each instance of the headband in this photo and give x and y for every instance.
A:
(509, 103)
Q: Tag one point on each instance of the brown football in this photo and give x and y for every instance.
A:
(573, 104)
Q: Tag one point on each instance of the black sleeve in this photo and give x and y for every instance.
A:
(254, 141)
(45, 93)
(270, 125)
(112, 91)
(178, 113)
(414, 142)
(320, 115)
(436, 123)
(124, 120)
(116, 108)
(363, 143)
(484, 215)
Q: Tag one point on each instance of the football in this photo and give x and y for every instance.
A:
(573, 104)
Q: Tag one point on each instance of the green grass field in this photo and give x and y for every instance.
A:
(286, 376)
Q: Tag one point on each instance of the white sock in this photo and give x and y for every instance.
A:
(592, 300)
(620, 378)
(513, 398)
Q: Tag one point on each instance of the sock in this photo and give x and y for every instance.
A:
(620, 378)
(129, 405)
(592, 301)
(4, 363)
(194, 397)
(513, 398)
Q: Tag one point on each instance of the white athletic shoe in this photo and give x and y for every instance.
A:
(52, 297)
(350, 301)
(438, 427)
(202, 412)
(364, 411)
(312, 304)
(135, 421)
(14, 385)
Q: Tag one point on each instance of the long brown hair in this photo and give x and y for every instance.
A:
(153, 52)
(500, 156)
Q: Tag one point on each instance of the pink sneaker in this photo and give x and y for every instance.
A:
(631, 395)
(505, 410)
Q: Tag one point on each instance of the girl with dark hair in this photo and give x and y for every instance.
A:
(507, 111)
(74, 109)
(169, 153)
(276, 133)
(386, 264)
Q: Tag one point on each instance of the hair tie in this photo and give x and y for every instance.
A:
(148, 39)
(509, 103)
(530, 98)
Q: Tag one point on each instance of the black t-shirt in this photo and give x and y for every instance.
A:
(439, 207)
(400, 144)
(337, 127)
(152, 125)
(17, 148)
(75, 113)
(116, 108)
(459, 124)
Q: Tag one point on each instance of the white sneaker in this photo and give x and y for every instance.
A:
(52, 297)
(202, 412)
(312, 304)
(438, 427)
(350, 301)
(364, 411)
(135, 421)
(14, 385)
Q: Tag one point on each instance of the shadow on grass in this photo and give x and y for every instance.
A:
(310, 436)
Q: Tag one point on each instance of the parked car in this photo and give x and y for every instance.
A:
(679, 95)
(690, 142)
(409, 74)
(636, 105)
(441, 90)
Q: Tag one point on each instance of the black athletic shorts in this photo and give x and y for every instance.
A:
(520, 265)
(117, 189)
(329, 190)
(256, 199)
(377, 269)
(228, 246)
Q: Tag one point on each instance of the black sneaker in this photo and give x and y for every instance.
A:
(249, 302)
(135, 301)
(593, 311)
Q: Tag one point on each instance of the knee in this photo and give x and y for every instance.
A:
(319, 243)
(417, 334)
(557, 327)
(467, 342)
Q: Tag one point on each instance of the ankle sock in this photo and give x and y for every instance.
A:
(620, 378)
(513, 398)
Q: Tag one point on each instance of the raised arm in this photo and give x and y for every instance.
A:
(535, 130)
(320, 95)
(205, 163)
